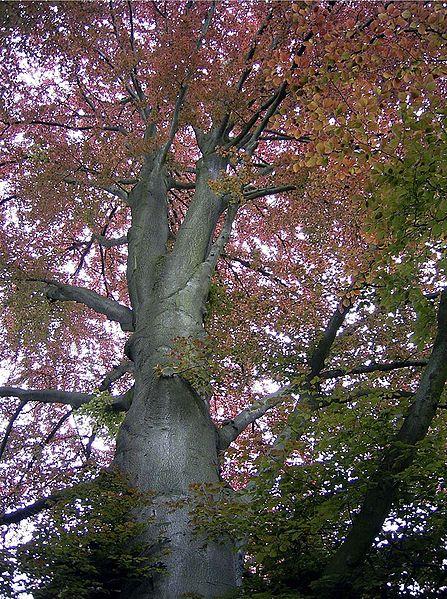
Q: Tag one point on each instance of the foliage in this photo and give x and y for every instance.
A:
(324, 125)
(303, 498)
(85, 546)
(99, 410)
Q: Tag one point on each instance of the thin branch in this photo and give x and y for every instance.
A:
(267, 191)
(109, 242)
(113, 128)
(10, 425)
(373, 367)
(250, 54)
(70, 398)
(112, 189)
(229, 432)
(260, 269)
(36, 453)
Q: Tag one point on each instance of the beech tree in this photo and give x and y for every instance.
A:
(223, 239)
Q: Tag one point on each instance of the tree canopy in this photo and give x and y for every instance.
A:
(224, 306)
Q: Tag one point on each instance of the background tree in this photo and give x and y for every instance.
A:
(200, 200)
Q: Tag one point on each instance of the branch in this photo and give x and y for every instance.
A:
(373, 367)
(113, 128)
(267, 191)
(103, 305)
(69, 398)
(111, 242)
(116, 373)
(112, 189)
(33, 509)
(252, 50)
(219, 244)
(174, 184)
(42, 504)
(384, 485)
(174, 123)
(260, 269)
(253, 139)
(231, 429)
(322, 349)
(8, 430)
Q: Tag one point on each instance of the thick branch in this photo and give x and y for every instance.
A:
(231, 429)
(397, 457)
(218, 246)
(70, 293)
(42, 504)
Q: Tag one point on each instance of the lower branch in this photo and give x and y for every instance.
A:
(113, 310)
(231, 429)
(70, 398)
(33, 509)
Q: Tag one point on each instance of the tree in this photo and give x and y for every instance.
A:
(249, 190)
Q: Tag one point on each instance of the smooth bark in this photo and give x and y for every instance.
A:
(168, 442)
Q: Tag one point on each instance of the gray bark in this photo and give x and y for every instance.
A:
(168, 441)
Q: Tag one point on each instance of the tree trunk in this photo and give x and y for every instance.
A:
(168, 441)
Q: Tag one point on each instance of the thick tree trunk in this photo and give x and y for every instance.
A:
(168, 441)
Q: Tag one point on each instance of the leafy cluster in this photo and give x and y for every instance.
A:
(306, 494)
(85, 545)
(99, 410)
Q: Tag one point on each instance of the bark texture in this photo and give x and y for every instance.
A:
(168, 441)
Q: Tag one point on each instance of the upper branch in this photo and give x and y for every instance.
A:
(373, 367)
(114, 190)
(112, 309)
